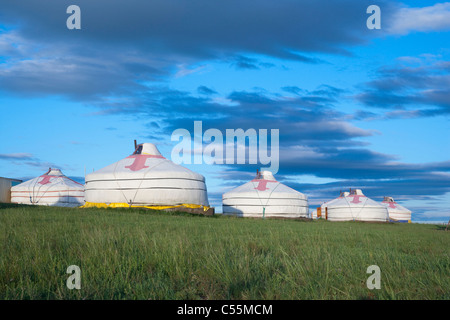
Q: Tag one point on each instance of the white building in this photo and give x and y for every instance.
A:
(397, 213)
(5, 189)
(354, 206)
(50, 189)
(265, 197)
(145, 178)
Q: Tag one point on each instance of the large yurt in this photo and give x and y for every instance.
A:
(265, 197)
(354, 206)
(146, 179)
(397, 213)
(50, 189)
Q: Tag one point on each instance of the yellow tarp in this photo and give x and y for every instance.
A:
(126, 205)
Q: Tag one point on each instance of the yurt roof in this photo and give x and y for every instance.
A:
(390, 203)
(146, 162)
(262, 186)
(52, 178)
(355, 199)
(341, 195)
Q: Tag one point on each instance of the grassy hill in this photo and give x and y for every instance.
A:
(142, 254)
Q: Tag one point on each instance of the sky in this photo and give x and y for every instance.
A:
(355, 107)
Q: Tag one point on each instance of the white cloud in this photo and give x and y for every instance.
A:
(184, 70)
(426, 19)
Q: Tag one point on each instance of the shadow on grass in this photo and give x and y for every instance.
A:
(442, 227)
(14, 205)
(145, 211)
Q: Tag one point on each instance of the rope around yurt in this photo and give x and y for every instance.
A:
(351, 209)
(68, 189)
(31, 189)
(118, 185)
(131, 201)
(35, 199)
(268, 199)
(148, 170)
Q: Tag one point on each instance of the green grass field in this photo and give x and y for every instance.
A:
(142, 254)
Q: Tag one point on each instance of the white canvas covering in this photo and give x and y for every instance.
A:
(354, 207)
(323, 206)
(265, 197)
(146, 178)
(51, 189)
(397, 213)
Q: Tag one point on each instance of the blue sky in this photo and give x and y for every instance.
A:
(355, 107)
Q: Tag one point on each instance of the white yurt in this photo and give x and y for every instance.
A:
(354, 206)
(147, 179)
(50, 189)
(397, 213)
(265, 197)
(321, 212)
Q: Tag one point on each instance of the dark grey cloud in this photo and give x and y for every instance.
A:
(425, 187)
(16, 156)
(153, 125)
(60, 71)
(328, 91)
(421, 90)
(201, 27)
(302, 119)
(123, 45)
(357, 164)
(206, 91)
(364, 115)
(293, 89)
(241, 62)
(28, 159)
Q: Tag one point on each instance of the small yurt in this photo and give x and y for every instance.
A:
(321, 212)
(147, 179)
(265, 197)
(50, 189)
(354, 206)
(397, 213)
